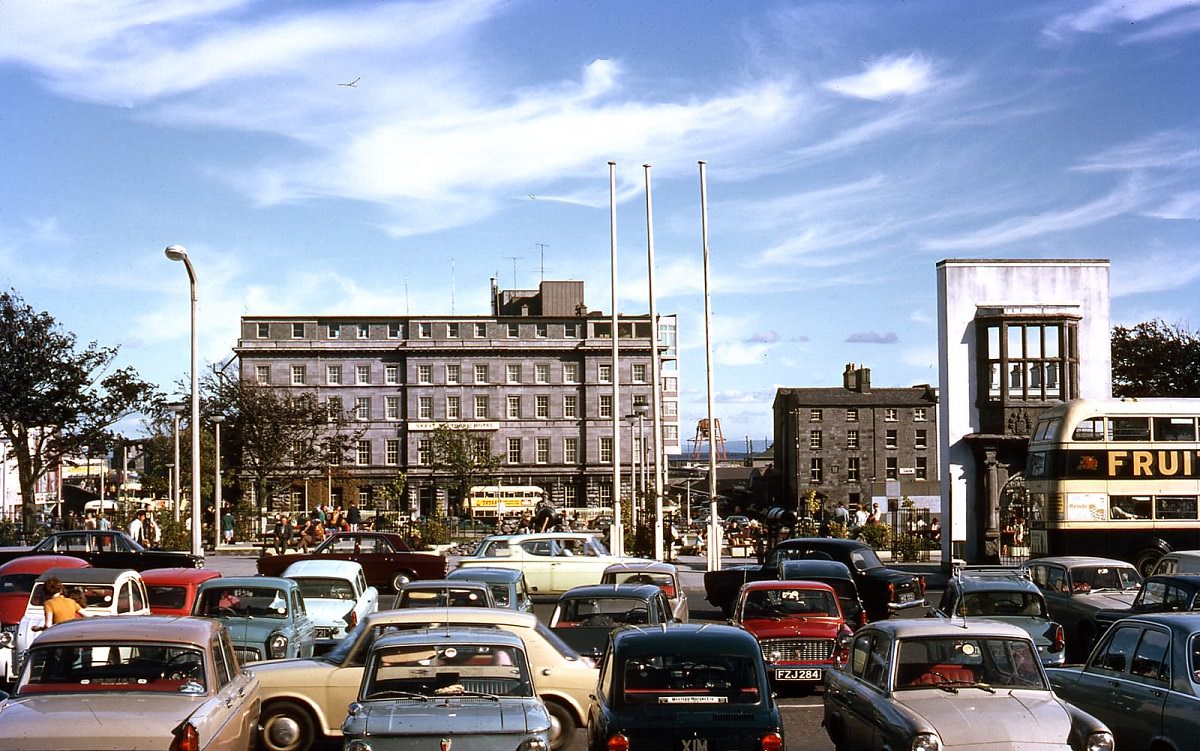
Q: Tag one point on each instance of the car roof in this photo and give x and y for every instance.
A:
(993, 580)
(648, 566)
(133, 628)
(88, 575)
(1185, 580)
(916, 628)
(444, 584)
(251, 581)
(513, 539)
(455, 635)
(486, 574)
(324, 567)
(684, 637)
(179, 575)
(631, 591)
(1179, 623)
(1077, 560)
(36, 564)
(1183, 554)
(817, 567)
(787, 584)
(498, 616)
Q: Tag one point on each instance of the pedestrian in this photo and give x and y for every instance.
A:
(841, 514)
(137, 528)
(227, 525)
(57, 607)
(353, 517)
(102, 522)
(282, 534)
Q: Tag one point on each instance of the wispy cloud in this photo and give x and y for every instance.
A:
(1174, 149)
(1117, 16)
(1154, 272)
(887, 77)
(872, 337)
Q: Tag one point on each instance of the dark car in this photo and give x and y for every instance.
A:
(1142, 680)
(385, 557)
(107, 548)
(1075, 587)
(1159, 594)
(883, 590)
(690, 686)
(584, 616)
(836, 575)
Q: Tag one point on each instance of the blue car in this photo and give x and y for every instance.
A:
(265, 616)
(507, 584)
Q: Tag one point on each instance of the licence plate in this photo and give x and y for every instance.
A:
(798, 674)
(907, 597)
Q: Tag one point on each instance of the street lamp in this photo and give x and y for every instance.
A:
(216, 421)
(177, 253)
(176, 408)
(171, 480)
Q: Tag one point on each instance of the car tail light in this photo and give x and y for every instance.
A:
(668, 590)
(921, 581)
(351, 620)
(187, 738)
(772, 742)
(891, 592)
(618, 742)
(1057, 639)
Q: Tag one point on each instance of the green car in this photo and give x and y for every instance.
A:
(265, 616)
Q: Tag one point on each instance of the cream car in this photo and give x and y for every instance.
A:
(305, 700)
(553, 562)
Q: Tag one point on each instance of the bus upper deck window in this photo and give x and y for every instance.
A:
(1091, 429)
(1174, 429)
(1129, 428)
(1047, 429)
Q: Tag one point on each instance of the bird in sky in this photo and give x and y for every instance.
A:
(352, 84)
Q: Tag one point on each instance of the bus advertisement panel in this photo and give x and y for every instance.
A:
(494, 501)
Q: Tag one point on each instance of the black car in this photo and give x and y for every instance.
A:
(107, 548)
(1178, 593)
(689, 686)
(836, 575)
(585, 616)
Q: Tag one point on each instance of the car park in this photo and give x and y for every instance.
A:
(1075, 587)
(172, 591)
(336, 594)
(1142, 680)
(926, 684)
(461, 688)
(1003, 594)
(17, 578)
(553, 562)
(663, 575)
(836, 575)
(385, 557)
(305, 700)
(799, 626)
(265, 615)
(687, 687)
(508, 585)
(1179, 593)
(584, 616)
(445, 593)
(106, 548)
(132, 682)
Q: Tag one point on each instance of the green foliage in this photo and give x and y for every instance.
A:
(1155, 359)
(875, 535)
(839, 530)
(458, 455)
(8, 533)
(811, 503)
(173, 535)
(390, 497)
(909, 547)
(430, 531)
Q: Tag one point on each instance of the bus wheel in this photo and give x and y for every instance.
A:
(1144, 561)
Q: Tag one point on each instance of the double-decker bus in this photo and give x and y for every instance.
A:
(495, 501)
(1118, 478)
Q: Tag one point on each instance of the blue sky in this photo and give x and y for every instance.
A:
(850, 146)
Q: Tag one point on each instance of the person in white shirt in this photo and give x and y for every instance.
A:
(137, 529)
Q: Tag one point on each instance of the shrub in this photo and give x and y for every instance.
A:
(875, 535)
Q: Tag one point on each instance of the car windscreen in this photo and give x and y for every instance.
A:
(325, 588)
(424, 671)
(242, 602)
(1086, 579)
(952, 662)
(688, 680)
(779, 603)
(986, 604)
(109, 666)
(601, 612)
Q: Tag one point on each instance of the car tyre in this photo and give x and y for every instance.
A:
(562, 725)
(1145, 561)
(286, 726)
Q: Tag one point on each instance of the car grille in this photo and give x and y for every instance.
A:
(797, 650)
(247, 654)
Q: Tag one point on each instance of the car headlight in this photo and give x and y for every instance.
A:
(277, 646)
(926, 742)
(1101, 740)
(358, 745)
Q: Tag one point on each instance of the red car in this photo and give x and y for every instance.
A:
(173, 590)
(799, 626)
(16, 582)
(386, 559)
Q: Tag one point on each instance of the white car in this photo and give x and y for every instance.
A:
(335, 594)
(663, 574)
(553, 562)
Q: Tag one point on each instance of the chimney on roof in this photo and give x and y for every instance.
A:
(857, 378)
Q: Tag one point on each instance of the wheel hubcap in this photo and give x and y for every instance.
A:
(283, 732)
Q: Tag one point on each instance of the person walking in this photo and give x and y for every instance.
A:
(227, 525)
(137, 529)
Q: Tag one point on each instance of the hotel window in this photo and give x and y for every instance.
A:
(262, 373)
(922, 470)
(542, 405)
(606, 451)
(297, 330)
(921, 441)
(392, 407)
(424, 330)
(570, 372)
(605, 373)
(333, 407)
(425, 407)
(364, 331)
(480, 330)
(540, 330)
(670, 409)
(335, 458)
(514, 450)
(605, 495)
(542, 455)
(424, 451)
(481, 373)
(514, 330)
(852, 414)
(890, 469)
(570, 450)
(541, 373)
(890, 414)
(453, 373)
(362, 374)
(453, 407)
(815, 415)
(425, 373)
(569, 496)
(481, 406)
(670, 432)
(889, 439)
(571, 331)
(639, 400)
(919, 414)
(333, 375)
(639, 372)
(671, 384)
(480, 448)
(514, 407)
(814, 440)
(333, 330)
(814, 470)
(264, 330)
(362, 408)
(851, 439)
(852, 469)
(1028, 360)
(364, 453)
(606, 405)
(395, 331)
(391, 375)
(297, 375)
(512, 372)
(451, 330)
(391, 451)
(570, 405)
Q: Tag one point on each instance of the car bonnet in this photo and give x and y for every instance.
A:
(1009, 716)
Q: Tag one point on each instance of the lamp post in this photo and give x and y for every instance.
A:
(177, 253)
(173, 482)
(634, 475)
(216, 421)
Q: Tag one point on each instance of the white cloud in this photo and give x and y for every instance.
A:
(1112, 15)
(887, 77)
(1175, 149)
(1154, 272)
(1185, 205)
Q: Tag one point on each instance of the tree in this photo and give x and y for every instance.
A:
(456, 452)
(55, 399)
(1155, 359)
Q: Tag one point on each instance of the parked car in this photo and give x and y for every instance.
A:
(690, 686)
(799, 626)
(304, 700)
(1178, 593)
(1143, 680)
(883, 590)
(584, 616)
(16, 583)
(445, 593)
(336, 595)
(106, 548)
(553, 562)
(665, 576)
(836, 575)
(431, 688)
(132, 682)
(1003, 594)
(265, 615)
(508, 585)
(1075, 587)
(172, 591)
(926, 683)
(385, 557)
(1179, 562)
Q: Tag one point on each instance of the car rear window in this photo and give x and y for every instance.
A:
(109, 666)
(689, 680)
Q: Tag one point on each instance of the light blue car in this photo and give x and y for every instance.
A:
(265, 616)
(507, 584)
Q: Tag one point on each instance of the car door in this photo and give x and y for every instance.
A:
(536, 558)
(861, 692)
(235, 711)
(304, 630)
(573, 566)
(1126, 682)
